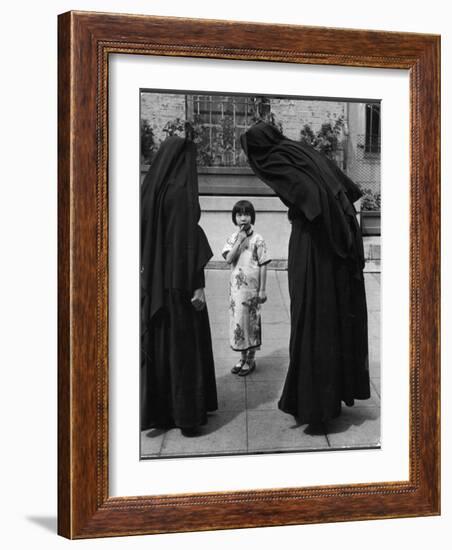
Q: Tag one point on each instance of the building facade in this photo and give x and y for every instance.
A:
(348, 132)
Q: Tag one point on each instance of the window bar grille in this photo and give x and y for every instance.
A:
(234, 153)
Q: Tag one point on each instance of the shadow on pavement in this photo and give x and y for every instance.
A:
(352, 416)
(155, 432)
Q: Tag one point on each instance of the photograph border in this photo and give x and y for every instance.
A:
(85, 41)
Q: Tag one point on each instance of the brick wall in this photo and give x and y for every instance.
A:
(160, 108)
(294, 114)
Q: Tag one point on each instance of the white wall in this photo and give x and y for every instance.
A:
(271, 222)
(28, 289)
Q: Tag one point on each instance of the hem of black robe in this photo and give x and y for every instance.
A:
(358, 397)
(309, 419)
(171, 424)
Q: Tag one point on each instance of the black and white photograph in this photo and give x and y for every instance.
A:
(224, 235)
(259, 273)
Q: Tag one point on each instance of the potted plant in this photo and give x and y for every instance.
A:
(371, 212)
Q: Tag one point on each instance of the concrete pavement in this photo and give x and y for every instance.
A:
(247, 419)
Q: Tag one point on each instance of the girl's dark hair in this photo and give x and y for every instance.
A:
(243, 207)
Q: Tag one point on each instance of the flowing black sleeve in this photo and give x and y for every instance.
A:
(199, 280)
(204, 253)
(352, 190)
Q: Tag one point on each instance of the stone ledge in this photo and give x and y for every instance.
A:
(225, 203)
(276, 265)
(372, 266)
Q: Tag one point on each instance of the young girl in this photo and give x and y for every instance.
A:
(246, 252)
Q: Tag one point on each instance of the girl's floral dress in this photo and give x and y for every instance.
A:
(244, 307)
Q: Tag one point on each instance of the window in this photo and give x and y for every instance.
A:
(372, 138)
(219, 122)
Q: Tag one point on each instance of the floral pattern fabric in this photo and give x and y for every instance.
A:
(244, 307)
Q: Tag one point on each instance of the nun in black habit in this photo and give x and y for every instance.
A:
(328, 339)
(178, 385)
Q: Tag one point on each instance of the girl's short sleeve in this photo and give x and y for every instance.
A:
(263, 256)
(229, 244)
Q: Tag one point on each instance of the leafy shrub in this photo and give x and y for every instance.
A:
(147, 145)
(370, 201)
(327, 138)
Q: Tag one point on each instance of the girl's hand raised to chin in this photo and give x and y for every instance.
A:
(242, 235)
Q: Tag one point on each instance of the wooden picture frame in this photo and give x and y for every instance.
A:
(86, 40)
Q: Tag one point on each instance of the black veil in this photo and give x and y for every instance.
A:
(305, 178)
(174, 248)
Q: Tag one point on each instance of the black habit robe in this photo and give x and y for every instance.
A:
(177, 384)
(328, 340)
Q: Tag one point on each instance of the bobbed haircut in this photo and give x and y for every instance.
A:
(243, 207)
